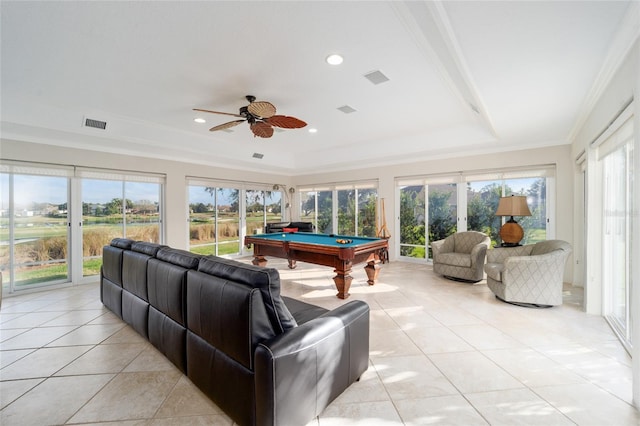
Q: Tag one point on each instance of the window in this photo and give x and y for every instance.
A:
(432, 207)
(34, 231)
(214, 219)
(222, 213)
(346, 209)
(117, 205)
(483, 196)
(37, 227)
(262, 206)
(426, 201)
(615, 161)
(317, 207)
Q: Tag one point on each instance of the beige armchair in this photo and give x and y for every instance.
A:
(529, 275)
(461, 256)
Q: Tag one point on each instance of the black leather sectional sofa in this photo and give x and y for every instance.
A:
(275, 227)
(262, 358)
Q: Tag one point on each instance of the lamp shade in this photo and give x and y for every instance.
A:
(514, 205)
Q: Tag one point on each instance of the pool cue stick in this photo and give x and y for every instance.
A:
(384, 231)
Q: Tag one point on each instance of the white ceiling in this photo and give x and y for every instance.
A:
(531, 70)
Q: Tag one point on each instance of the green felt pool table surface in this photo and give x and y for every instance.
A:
(325, 239)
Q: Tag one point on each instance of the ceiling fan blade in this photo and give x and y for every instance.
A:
(261, 109)
(226, 125)
(217, 112)
(285, 122)
(261, 129)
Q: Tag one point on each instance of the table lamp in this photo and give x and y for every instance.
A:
(515, 205)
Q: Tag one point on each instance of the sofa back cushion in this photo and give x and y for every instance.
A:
(183, 258)
(123, 243)
(267, 280)
(228, 315)
(134, 267)
(112, 259)
(166, 277)
(302, 226)
(274, 227)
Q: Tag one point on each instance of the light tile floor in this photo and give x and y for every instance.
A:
(442, 352)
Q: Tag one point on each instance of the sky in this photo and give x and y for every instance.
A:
(53, 190)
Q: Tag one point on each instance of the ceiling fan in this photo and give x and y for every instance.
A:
(261, 118)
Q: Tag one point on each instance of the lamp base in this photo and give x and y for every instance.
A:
(511, 233)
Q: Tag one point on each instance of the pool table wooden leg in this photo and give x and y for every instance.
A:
(259, 260)
(372, 269)
(343, 283)
(292, 263)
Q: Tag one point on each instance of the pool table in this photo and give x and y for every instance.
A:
(339, 251)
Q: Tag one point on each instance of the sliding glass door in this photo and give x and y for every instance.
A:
(438, 211)
(345, 209)
(616, 161)
(53, 217)
(482, 202)
(434, 207)
(102, 220)
(214, 219)
(117, 209)
(34, 229)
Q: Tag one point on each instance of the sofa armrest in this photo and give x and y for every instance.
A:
(299, 373)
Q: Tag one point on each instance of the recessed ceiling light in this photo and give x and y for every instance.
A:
(334, 59)
(199, 120)
(312, 130)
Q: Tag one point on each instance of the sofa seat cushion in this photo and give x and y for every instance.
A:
(267, 280)
(301, 311)
(494, 270)
(455, 259)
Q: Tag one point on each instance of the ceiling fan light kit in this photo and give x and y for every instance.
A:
(261, 116)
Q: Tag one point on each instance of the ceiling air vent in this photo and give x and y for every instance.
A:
(96, 124)
(346, 109)
(258, 155)
(376, 77)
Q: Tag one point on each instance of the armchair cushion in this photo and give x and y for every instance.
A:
(455, 259)
(461, 255)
